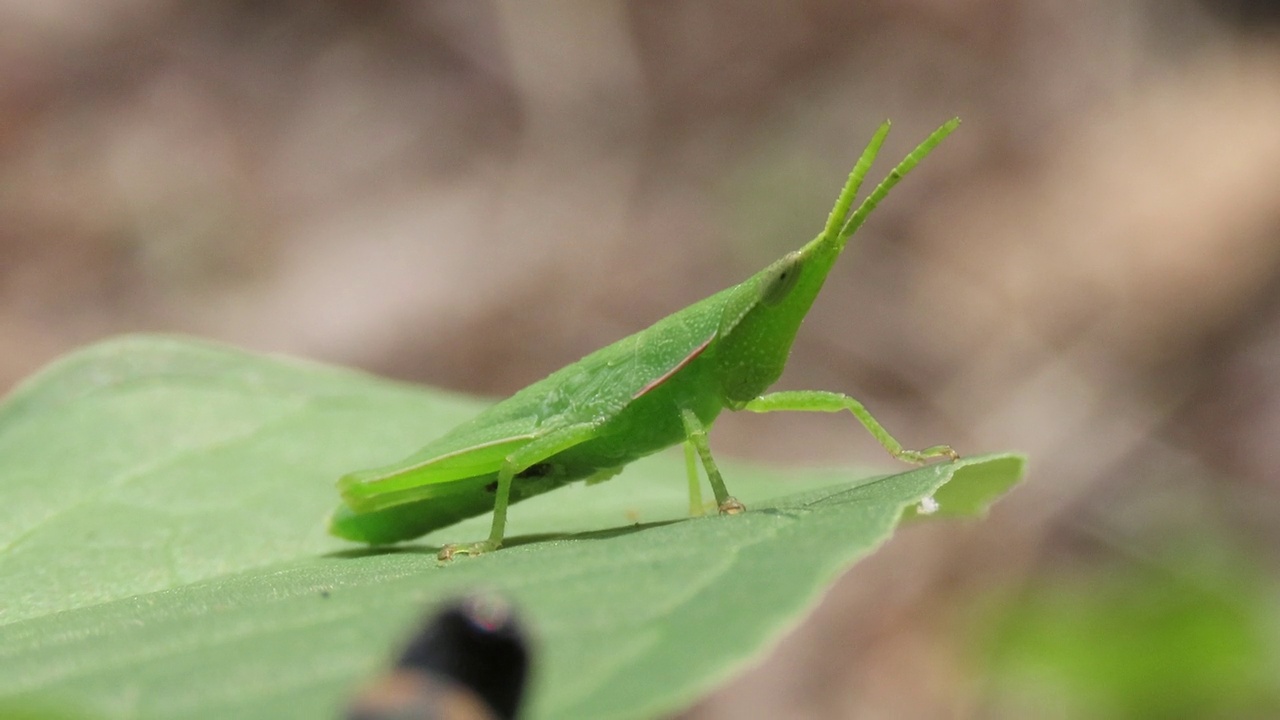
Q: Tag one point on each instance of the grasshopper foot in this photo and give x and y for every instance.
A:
(448, 552)
(920, 457)
(731, 506)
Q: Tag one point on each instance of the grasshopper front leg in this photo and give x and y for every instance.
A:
(820, 401)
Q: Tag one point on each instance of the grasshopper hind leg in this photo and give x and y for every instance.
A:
(502, 496)
(520, 461)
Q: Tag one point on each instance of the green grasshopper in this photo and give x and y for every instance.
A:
(661, 386)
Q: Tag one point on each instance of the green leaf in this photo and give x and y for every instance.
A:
(163, 549)
(1180, 624)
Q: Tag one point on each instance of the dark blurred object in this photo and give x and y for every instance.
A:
(469, 662)
(1248, 15)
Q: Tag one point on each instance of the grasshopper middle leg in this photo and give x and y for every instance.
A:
(696, 435)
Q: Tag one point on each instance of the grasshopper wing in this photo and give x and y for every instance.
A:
(450, 480)
(413, 519)
(436, 471)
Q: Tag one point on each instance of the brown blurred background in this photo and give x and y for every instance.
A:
(472, 194)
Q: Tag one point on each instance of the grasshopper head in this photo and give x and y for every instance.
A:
(760, 319)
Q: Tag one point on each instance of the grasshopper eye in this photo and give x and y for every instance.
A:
(778, 285)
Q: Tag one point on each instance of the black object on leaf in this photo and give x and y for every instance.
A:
(469, 662)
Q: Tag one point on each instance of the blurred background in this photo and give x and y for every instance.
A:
(471, 194)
